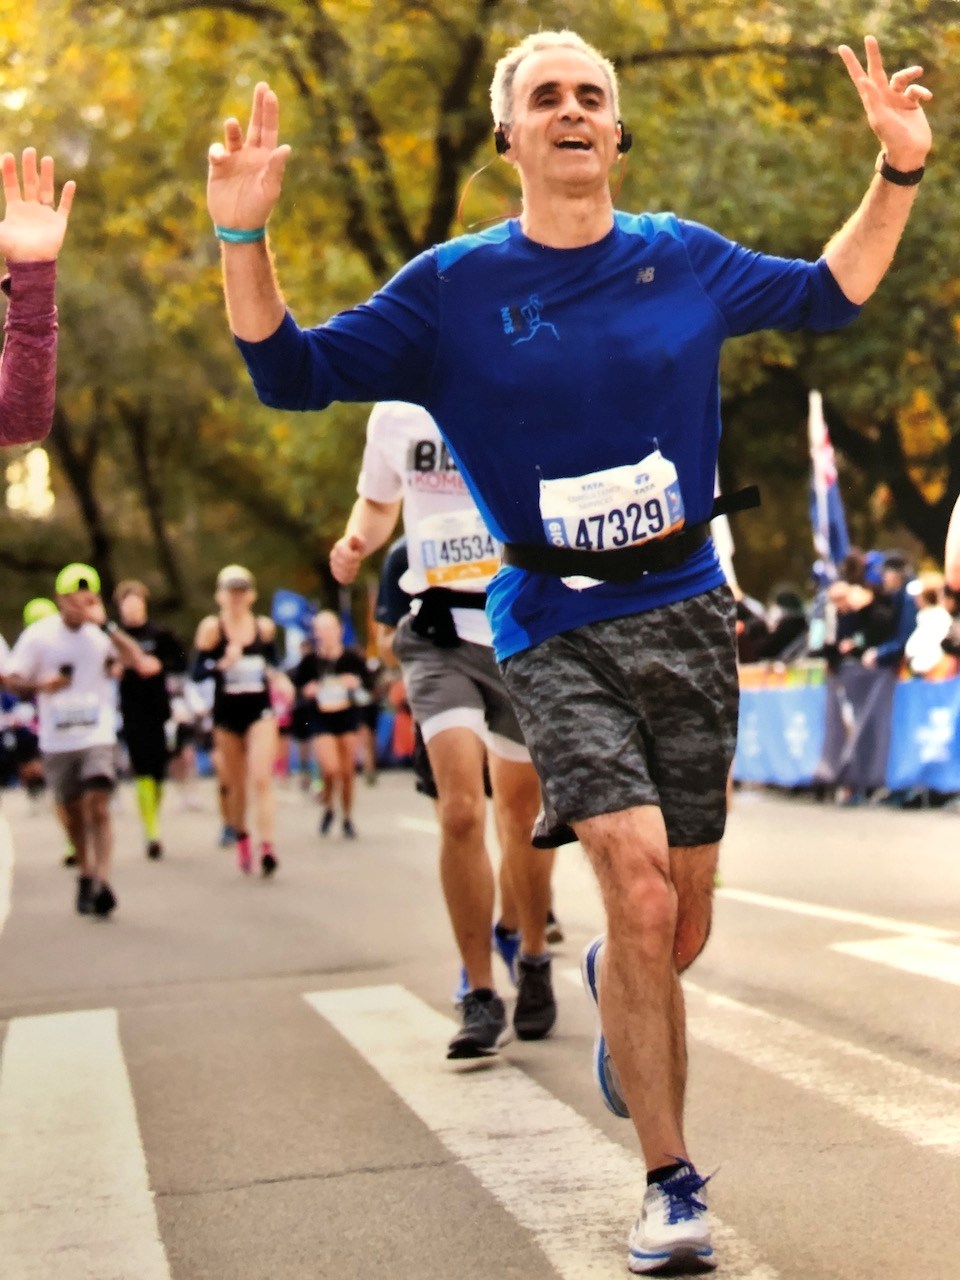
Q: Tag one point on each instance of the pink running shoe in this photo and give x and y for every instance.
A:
(244, 854)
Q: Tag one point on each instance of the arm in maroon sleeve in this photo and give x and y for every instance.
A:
(28, 367)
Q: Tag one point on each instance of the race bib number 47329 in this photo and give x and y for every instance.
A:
(606, 510)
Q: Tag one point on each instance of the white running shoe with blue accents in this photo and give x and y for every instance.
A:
(673, 1230)
(604, 1072)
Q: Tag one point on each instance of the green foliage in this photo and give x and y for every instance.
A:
(743, 118)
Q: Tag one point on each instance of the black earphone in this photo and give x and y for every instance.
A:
(502, 142)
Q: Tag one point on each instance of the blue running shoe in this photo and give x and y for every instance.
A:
(463, 988)
(508, 949)
(228, 836)
(604, 1072)
(673, 1229)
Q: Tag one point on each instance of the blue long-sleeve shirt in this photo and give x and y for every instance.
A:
(890, 652)
(539, 364)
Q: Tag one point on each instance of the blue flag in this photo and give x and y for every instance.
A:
(291, 610)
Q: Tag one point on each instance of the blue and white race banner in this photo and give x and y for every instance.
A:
(924, 747)
(781, 735)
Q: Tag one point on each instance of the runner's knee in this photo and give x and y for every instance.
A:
(645, 911)
(461, 816)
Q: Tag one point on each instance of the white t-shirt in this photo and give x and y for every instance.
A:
(447, 542)
(83, 714)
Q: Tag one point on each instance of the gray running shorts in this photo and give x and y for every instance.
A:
(635, 711)
(458, 688)
(70, 773)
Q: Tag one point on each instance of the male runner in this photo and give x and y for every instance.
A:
(145, 704)
(70, 662)
(570, 358)
(464, 714)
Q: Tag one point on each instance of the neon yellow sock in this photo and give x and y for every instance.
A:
(148, 801)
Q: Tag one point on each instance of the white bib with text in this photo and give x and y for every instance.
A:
(606, 510)
(458, 552)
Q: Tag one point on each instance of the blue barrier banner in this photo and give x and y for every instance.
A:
(781, 735)
(924, 746)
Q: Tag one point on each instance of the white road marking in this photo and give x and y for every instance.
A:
(6, 870)
(75, 1200)
(882, 923)
(428, 825)
(560, 1178)
(923, 1108)
(923, 956)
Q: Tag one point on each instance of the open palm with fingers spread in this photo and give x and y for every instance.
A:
(32, 229)
(894, 107)
(246, 173)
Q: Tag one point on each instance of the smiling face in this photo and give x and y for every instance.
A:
(563, 136)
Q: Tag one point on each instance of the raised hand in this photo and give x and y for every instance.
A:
(894, 107)
(246, 174)
(32, 229)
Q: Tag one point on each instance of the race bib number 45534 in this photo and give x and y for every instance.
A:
(620, 507)
(458, 551)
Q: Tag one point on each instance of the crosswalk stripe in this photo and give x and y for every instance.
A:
(837, 914)
(75, 1200)
(427, 825)
(559, 1177)
(6, 870)
(921, 956)
(922, 1108)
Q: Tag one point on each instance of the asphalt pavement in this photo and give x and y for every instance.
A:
(245, 1080)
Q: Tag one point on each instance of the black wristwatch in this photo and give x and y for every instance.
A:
(899, 177)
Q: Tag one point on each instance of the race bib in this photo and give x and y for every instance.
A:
(75, 711)
(458, 551)
(607, 510)
(331, 695)
(247, 675)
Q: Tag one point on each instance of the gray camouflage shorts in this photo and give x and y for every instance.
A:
(635, 711)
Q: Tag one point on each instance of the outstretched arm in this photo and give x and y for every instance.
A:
(31, 234)
(861, 252)
(243, 186)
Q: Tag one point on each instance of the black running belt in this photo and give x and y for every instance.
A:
(626, 564)
(434, 621)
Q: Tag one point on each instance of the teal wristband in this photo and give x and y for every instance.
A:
(233, 235)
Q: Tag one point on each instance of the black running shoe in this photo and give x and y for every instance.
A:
(154, 850)
(326, 822)
(268, 865)
(536, 1010)
(85, 895)
(104, 900)
(483, 1029)
(349, 830)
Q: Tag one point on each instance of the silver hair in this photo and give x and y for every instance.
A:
(501, 87)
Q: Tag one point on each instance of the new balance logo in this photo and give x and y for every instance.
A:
(644, 276)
